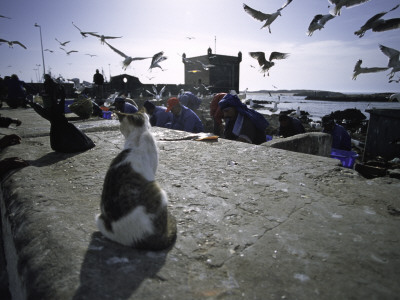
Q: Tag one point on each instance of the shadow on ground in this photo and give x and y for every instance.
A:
(113, 271)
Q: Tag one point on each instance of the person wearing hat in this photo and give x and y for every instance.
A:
(217, 114)
(340, 137)
(158, 115)
(183, 118)
(289, 126)
(124, 107)
(242, 123)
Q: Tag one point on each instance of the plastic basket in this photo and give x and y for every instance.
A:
(66, 108)
(107, 114)
(347, 158)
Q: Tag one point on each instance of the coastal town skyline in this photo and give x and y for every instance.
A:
(323, 61)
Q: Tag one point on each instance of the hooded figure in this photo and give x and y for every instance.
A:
(242, 123)
(158, 114)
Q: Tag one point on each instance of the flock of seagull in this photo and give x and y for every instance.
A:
(156, 59)
(375, 23)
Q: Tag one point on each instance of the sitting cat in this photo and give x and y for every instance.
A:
(133, 205)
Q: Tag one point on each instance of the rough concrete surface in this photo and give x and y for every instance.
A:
(254, 222)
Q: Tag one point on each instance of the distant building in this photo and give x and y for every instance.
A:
(125, 83)
(221, 76)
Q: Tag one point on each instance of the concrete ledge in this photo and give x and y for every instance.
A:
(315, 143)
(254, 222)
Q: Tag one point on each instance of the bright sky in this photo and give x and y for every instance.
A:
(324, 61)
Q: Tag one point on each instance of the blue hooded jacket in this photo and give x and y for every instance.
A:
(233, 101)
(245, 115)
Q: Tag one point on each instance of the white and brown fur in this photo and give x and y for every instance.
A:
(133, 205)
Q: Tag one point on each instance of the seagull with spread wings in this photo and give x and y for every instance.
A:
(1, 16)
(268, 18)
(347, 3)
(377, 24)
(361, 70)
(394, 59)
(68, 52)
(64, 43)
(267, 64)
(205, 66)
(318, 23)
(127, 59)
(11, 43)
(83, 33)
(157, 58)
(157, 94)
(103, 38)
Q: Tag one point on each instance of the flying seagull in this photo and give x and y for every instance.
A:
(91, 55)
(157, 58)
(103, 38)
(377, 24)
(1, 16)
(156, 94)
(360, 70)
(267, 64)
(347, 3)
(51, 51)
(83, 33)
(64, 43)
(268, 18)
(394, 61)
(128, 59)
(205, 66)
(68, 52)
(11, 43)
(318, 23)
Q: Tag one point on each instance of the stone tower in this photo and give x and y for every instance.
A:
(219, 73)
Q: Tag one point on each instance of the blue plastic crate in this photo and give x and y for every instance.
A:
(107, 114)
(347, 158)
(67, 103)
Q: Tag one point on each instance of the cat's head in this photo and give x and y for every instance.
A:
(133, 122)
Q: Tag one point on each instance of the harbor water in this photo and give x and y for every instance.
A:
(316, 108)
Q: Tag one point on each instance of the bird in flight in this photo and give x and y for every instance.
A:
(83, 33)
(394, 61)
(48, 50)
(347, 3)
(267, 64)
(205, 66)
(128, 59)
(157, 58)
(361, 70)
(1, 16)
(318, 23)
(91, 55)
(68, 52)
(268, 18)
(377, 24)
(157, 94)
(64, 43)
(103, 38)
(11, 43)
